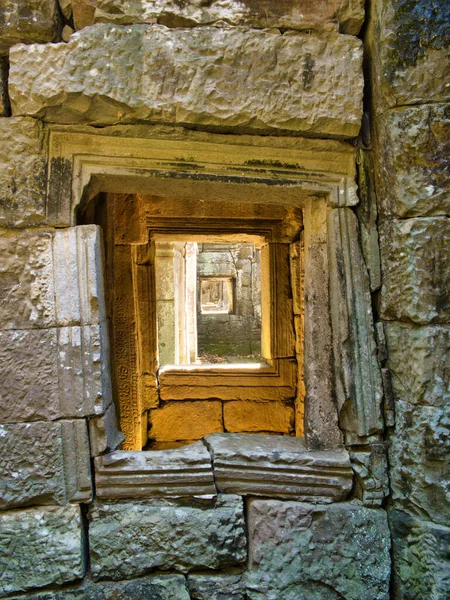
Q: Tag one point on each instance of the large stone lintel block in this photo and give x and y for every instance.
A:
(128, 539)
(22, 21)
(185, 471)
(244, 80)
(53, 373)
(52, 278)
(348, 15)
(413, 146)
(44, 463)
(23, 178)
(276, 466)
(306, 551)
(357, 371)
(415, 261)
(410, 45)
(39, 547)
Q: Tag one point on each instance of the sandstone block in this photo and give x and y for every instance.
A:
(44, 463)
(53, 373)
(305, 551)
(185, 420)
(185, 471)
(52, 278)
(216, 587)
(411, 44)
(253, 417)
(128, 539)
(40, 546)
(286, 15)
(415, 260)
(250, 80)
(27, 22)
(420, 558)
(412, 161)
(104, 434)
(278, 466)
(23, 179)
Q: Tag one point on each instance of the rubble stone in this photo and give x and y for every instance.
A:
(208, 77)
(40, 546)
(44, 463)
(27, 22)
(415, 261)
(306, 551)
(129, 539)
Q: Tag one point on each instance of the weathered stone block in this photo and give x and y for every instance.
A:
(419, 453)
(40, 546)
(254, 417)
(104, 434)
(25, 21)
(216, 587)
(53, 373)
(413, 148)
(371, 470)
(185, 471)
(250, 80)
(185, 420)
(52, 278)
(23, 159)
(420, 558)
(305, 551)
(278, 466)
(44, 463)
(411, 43)
(415, 261)
(128, 539)
(349, 15)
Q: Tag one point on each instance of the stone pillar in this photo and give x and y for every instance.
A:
(165, 303)
(191, 301)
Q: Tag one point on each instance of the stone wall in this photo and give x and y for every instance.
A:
(234, 516)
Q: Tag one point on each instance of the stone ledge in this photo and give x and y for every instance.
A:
(276, 466)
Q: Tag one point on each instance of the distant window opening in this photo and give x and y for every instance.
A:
(216, 295)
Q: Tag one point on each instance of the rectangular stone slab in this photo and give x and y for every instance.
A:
(185, 471)
(247, 80)
(39, 547)
(44, 463)
(127, 539)
(278, 466)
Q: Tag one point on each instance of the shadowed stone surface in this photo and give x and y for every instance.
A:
(419, 453)
(246, 79)
(413, 163)
(44, 463)
(319, 553)
(371, 472)
(158, 587)
(104, 434)
(25, 21)
(4, 99)
(185, 471)
(415, 261)
(264, 465)
(421, 561)
(40, 546)
(216, 587)
(129, 539)
(286, 14)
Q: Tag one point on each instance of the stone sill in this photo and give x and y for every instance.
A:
(232, 463)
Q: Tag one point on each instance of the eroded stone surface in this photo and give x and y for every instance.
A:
(412, 165)
(185, 471)
(371, 470)
(415, 262)
(411, 43)
(104, 434)
(286, 14)
(27, 22)
(263, 465)
(246, 79)
(216, 587)
(419, 453)
(128, 539)
(420, 558)
(23, 160)
(40, 546)
(53, 373)
(44, 463)
(301, 550)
